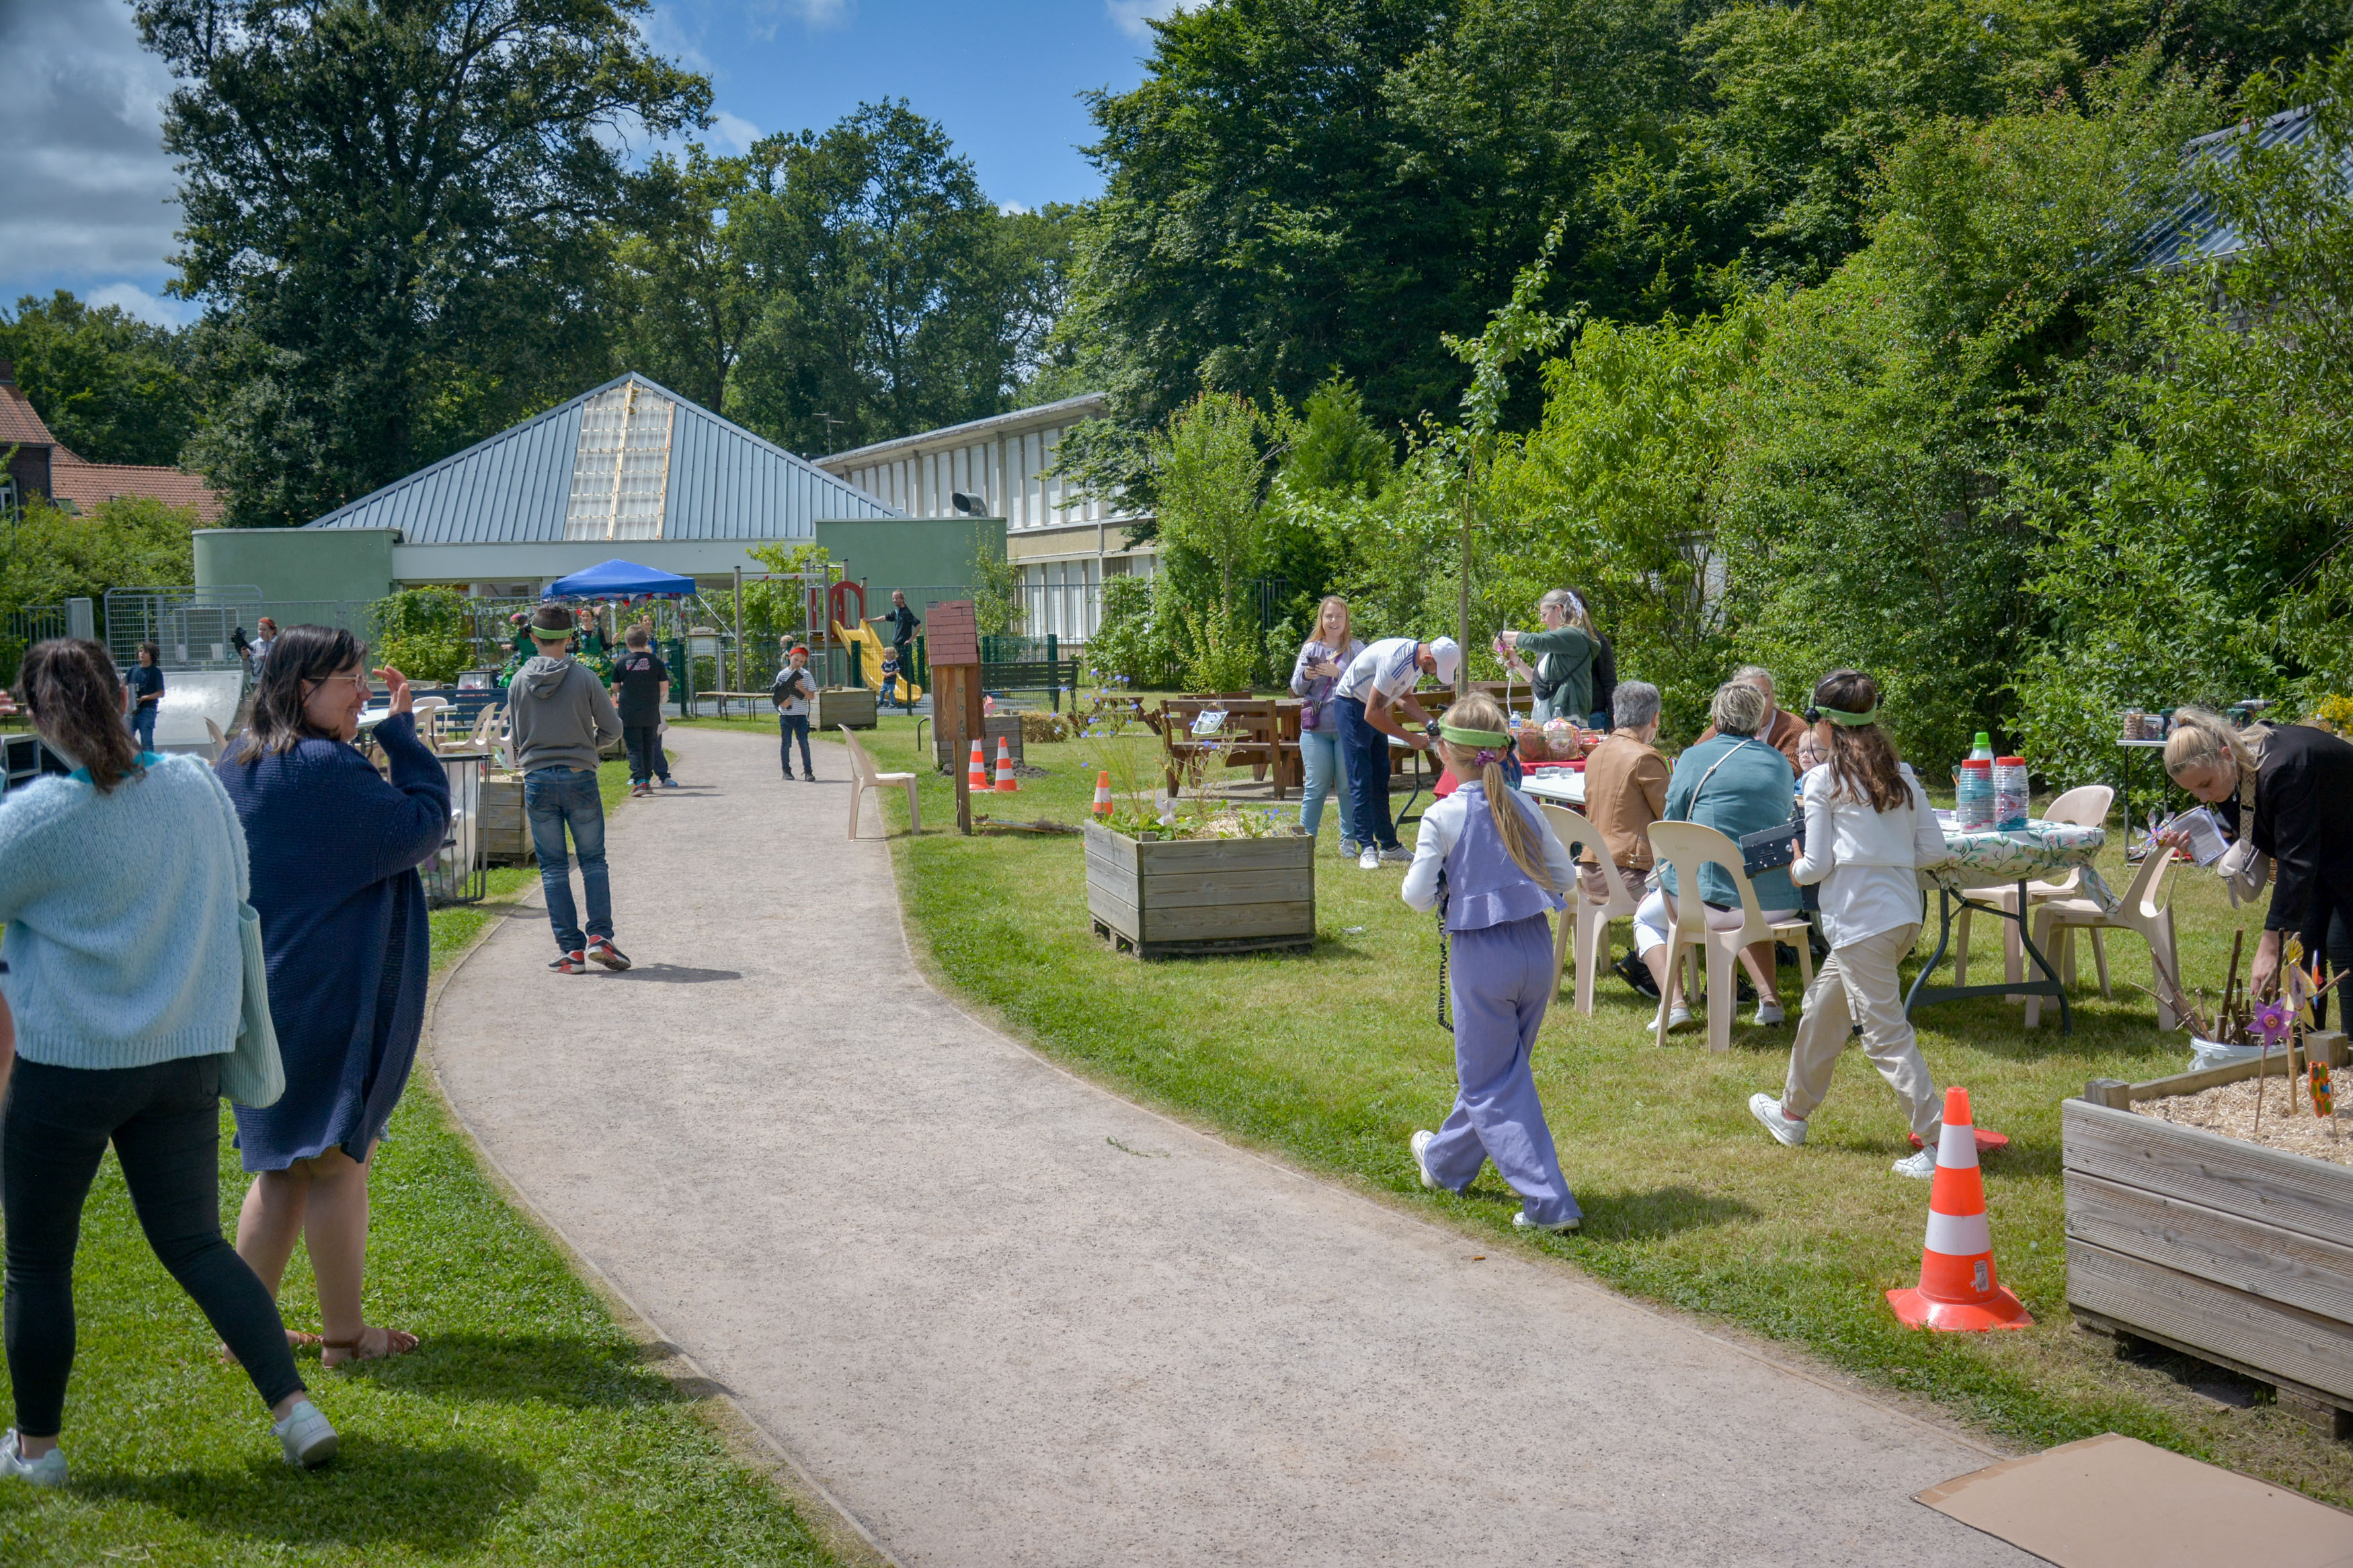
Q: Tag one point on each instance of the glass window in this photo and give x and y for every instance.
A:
(620, 467)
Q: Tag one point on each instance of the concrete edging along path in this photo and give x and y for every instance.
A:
(1001, 1316)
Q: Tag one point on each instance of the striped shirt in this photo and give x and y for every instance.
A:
(1385, 669)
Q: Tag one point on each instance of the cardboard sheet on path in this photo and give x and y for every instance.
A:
(2113, 1501)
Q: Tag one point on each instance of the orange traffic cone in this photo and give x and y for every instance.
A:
(1103, 793)
(976, 775)
(1006, 783)
(1957, 1290)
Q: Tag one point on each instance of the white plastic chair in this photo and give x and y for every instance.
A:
(2087, 805)
(862, 777)
(1687, 846)
(2138, 911)
(1592, 922)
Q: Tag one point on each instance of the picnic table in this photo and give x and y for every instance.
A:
(1261, 730)
(1992, 858)
(751, 700)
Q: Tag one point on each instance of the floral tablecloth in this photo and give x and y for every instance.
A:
(2047, 849)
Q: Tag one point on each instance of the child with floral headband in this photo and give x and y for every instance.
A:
(1494, 860)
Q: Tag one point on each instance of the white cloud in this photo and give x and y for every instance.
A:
(1134, 16)
(91, 193)
(761, 16)
(137, 301)
(733, 131)
(1012, 209)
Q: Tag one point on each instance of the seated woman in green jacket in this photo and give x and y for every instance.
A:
(1564, 653)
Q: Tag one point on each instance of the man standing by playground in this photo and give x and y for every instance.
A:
(640, 687)
(791, 692)
(561, 718)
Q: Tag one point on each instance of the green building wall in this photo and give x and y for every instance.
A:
(292, 564)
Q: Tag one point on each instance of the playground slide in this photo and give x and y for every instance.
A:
(871, 649)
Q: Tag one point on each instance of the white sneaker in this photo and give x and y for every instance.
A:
(1397, 855)
(1350, 849)
(1769, 1013)
(48, 1470)
(1920, 1167)
(1521, 1221)
(305, 1436)
(1679, 1017)
(1418, 1142)
(1369, 859)
(1766, 1108)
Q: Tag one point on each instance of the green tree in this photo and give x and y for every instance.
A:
(48, 556)
(111, 387)
(395, 215)
(685, 293)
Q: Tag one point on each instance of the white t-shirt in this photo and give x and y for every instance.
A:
(1385, 669)
(1867, 861)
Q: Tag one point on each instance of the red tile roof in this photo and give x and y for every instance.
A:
(90, 485)
(19, 425)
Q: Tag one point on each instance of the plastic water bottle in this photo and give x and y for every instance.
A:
(1983, 751)
(1973, 797)
(2009, 793)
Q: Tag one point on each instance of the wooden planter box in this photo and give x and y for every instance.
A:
(1173, 898)
(2225, 1250)
(839, 705)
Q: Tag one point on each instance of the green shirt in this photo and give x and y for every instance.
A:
(1563, 659)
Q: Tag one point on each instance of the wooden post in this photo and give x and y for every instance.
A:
(2112, 1092)
(739, 628)
(954, 639)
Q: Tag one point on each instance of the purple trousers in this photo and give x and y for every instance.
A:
(1501, 982)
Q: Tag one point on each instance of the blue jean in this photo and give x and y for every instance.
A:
(1501, 980)
(555, 799)
(1365, 758)
(1327, 775)
(790, 726)
(143, 725)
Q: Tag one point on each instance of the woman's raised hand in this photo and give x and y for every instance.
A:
(397, 685)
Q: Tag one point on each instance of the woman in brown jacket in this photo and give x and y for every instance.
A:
(1625, 790)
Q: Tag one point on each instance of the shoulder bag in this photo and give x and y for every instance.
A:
(251, 1075)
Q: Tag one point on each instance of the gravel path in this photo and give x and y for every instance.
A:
(1005, 1317)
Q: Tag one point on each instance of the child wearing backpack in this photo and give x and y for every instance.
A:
(1496, 866)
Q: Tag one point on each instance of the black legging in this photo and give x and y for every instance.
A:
(165, 1121)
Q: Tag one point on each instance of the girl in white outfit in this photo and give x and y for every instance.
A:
(1868, 830)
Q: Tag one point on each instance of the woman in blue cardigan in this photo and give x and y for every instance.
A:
(123, 987)
(335, 849)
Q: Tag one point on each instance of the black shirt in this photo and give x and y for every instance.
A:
(146, 680)
(2304, 821)
(639, 675)
(903, 624)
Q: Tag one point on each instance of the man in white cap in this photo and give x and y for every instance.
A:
(1386, 673)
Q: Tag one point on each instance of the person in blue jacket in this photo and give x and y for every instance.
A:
(336, 846)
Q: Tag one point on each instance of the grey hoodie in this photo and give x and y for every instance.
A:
(561, 714)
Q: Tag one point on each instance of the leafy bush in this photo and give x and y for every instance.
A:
(421, 632)
(1132, 641)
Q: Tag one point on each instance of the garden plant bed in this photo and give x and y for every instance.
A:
(2229, 1109)
(2219, 1247)
(1167, 898)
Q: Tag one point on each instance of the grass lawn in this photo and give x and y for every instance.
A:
(1333, 1059)
(528, 1428)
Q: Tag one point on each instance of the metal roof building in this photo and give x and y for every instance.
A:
(2195, 233)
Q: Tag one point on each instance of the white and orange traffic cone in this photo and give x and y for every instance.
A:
(1006, 783)
(1957, 1290)
(1103, 793)
(976, 775)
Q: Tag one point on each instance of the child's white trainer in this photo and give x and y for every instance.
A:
(305, 1436)
(1420, 1142)
(1920, 1167)
(1766, 1108)
(1369, 860)
(48, 1470)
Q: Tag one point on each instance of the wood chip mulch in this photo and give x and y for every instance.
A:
(2288, 1122)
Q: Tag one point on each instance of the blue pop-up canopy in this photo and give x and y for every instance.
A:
(620, 580)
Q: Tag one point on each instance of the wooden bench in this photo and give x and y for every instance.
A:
(862, 777)
(1053, 677)
(1253, 733)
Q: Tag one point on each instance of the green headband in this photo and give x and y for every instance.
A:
(1845, 720)
(1490, 739)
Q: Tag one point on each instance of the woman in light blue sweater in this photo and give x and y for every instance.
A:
(120, 885)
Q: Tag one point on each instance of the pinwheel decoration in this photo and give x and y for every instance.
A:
(2272, 1022)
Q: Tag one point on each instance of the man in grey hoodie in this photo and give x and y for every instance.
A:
(561, 717)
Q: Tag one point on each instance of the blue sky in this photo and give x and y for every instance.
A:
(88, 206)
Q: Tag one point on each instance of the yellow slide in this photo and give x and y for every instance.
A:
(871, 649)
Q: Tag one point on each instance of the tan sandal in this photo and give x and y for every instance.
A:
(397, 1342)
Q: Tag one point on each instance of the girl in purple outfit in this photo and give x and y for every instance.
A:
(1495, 861)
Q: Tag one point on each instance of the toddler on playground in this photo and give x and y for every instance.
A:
(1868, 829)
(1497, 864)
